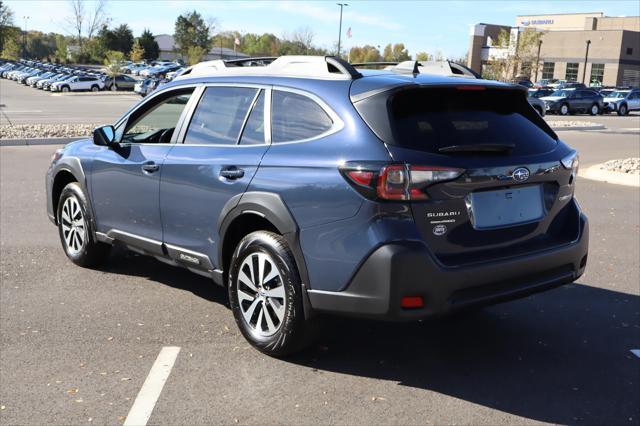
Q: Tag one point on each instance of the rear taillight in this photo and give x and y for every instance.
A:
(398, 181)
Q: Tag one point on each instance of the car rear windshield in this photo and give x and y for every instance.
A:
(429, 119)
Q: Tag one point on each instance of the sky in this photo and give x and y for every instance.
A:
(426, 25)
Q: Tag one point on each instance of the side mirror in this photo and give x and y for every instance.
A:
(104, 136)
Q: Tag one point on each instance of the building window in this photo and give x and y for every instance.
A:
(597, 73)
(629, 50)
(572, 71)
(547, 70)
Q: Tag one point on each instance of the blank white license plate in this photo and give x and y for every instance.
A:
(494, 209)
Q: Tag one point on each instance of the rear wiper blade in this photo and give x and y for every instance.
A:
(485, 147)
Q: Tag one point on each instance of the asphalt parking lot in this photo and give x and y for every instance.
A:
(25, 105)
(77, 344)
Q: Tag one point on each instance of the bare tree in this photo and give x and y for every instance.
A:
(86, 23)
(303, 35)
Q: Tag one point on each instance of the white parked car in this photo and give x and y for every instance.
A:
(623, 101)
(78, 83)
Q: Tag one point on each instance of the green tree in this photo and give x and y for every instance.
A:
(113, 62)
(150, 46)
(61, 49)
(195, 54)
(396, 53)
(192, 31)
(41, 46)
(365, 53)
(6, 23)
(11, 49)
(258, 45)
(119, 39)
(424, 56)
(137, 52)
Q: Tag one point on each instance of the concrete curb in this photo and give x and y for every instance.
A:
(40, 141)
(616, 178)
(101, 93)
(577, 128)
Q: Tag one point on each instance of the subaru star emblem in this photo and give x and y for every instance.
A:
(520, 174)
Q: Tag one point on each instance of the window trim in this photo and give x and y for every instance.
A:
(338, 124)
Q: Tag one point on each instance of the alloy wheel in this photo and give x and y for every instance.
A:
(564, 110)
(261, 294)
(74, 227)
(594, 110)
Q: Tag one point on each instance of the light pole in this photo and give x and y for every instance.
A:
(586, 56)
(537, 61)
(342, 5)
(24, 39)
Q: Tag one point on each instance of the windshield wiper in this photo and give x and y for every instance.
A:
(485, 147)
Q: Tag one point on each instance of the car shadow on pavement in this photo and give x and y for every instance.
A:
(562, 356)
(126, 262)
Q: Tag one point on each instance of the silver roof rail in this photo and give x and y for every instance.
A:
(444, 68)
(322, 67)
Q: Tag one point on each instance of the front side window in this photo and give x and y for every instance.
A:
(296, 117)
(219, 117)
(155, 121)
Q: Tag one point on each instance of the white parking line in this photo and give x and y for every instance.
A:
(152, 387)
(636, 352)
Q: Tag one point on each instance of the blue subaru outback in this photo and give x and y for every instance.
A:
(309, 187)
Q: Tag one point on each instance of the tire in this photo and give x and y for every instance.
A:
(564, 109)
(95, 88)
(75, 227)
(270, 314)
(594, 110)
(623, 110)
(65, 89)
(114, 88)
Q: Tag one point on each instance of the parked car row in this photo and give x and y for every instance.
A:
(158, 69)
(59, 78)
(571, 100)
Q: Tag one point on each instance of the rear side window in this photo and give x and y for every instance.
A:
(295, 117)
(219, 116)
(428, 119)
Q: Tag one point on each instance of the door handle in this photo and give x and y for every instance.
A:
(232, 172)
(150, 167)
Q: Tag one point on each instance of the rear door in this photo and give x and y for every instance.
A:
(220, 148)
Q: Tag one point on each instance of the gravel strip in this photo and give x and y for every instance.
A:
(625, 165)
(569, 123)
(39, 131)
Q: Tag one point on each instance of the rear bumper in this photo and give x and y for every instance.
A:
(407, 268)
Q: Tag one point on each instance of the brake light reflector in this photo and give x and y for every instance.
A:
(471, 87)
(396, 181)
(361, 177)
(412, 302)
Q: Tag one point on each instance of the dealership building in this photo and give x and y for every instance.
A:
(583, 47)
